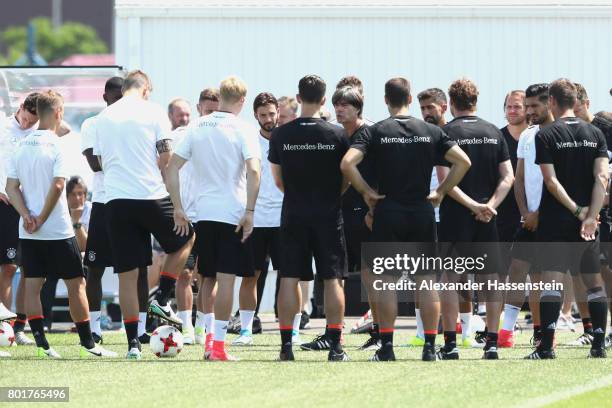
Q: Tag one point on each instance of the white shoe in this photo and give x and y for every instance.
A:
(49, 353)
(97, 351)
(22, 340)
(199, 335)
(296, 340)
(164, 312)
(134, 354)
(566, 323)
(243, 340)
(6, 314)
(4, 354)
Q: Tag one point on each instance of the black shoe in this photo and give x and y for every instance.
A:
(286, 355)
(490, 354)
(371, 344)
(450, 353)
(320, 343)
(97, 338)
(304, 321)
(257, 329)
(481, 337)
(541, 355)
(234, 325)
(334, 356)
(384, 354)
(144, 338)
(598, 353)
(429, 353)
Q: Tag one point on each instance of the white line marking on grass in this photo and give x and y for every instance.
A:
(567, 393)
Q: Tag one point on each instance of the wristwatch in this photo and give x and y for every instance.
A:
(77, 225)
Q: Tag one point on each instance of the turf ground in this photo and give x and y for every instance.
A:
(570, 380)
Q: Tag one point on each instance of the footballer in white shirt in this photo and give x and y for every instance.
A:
(226, 158)
(133, 142)
(35, 186)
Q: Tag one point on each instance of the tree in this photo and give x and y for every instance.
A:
(70, 38)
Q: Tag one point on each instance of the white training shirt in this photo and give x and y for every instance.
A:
(189, 185)
(85, 216)
(88, 137)
(218, 145)
(126, 134)
(10, 136)
(432, 186)
(35, 163)
(533, 175)
(270, 199)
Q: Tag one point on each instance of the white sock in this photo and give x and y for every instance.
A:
(296, 323)
(94, 322)
(246, 322)
(185, 316)
(200, 320)
(465, 325)
(142, 323)
(220, 330)
(209, 318)
(510, 316)
(420, 331)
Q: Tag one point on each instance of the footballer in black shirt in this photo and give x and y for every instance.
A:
(573, 157)
(305, 157)
(403, 151)
(468, 214)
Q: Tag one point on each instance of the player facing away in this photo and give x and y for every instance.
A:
(35, 185)
(226, 158)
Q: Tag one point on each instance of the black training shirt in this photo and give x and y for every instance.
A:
(571, 146)
(353, 204)
(309, 151)
(403, 151)
(484, 144)
(508, 212)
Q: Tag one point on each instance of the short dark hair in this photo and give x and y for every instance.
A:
(515, 92)
(397, 91)
(350, 80)
(564, 91)
(136, 79)
(539, 90)
(436, 94)
(209, 94)
(349, 95)
(312, 89)
(29, 103)
(263, 99)
(113, 85)
(47, 102)
(463, 93)
(582, 95)
(73, 182)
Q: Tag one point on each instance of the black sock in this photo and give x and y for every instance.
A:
(491, 340)
(598, 309)
(20, 322)
(450, 340)
(286, 334)
(386, 337)
(587, 325)
(536, 331)
(430, 338)
(38, 331)
(131, 331)
(550, 306)
(375, 333)
(166, 285)
(333, 334)
(85, 334)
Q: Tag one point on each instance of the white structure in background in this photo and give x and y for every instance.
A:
(186, 45)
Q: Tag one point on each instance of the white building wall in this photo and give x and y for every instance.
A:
(501, 49)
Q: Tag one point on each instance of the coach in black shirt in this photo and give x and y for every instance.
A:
(403, 151)
(573, 157)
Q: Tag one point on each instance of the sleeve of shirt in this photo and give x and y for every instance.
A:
(520, 154)
(5, 158)
(602, 146)
(59, 166)
(443, 144)
(164, 128)
(503, 154)
(11, 170)
(183, 148)
(273, 153)
(363, 140)
(543, 153)
(87, 135)
(250, 144)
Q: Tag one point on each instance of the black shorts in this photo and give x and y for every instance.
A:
(219, 250)
(98, 250)
(325, 242)
(130, 224)
(266, 247)
(605, 237)
(560, 248)
(58, 259)
(524, 247)
(9, 234)
(355, 232)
